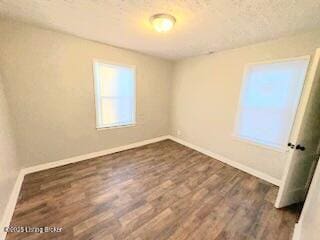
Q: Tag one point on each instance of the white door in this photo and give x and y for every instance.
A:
(302, 155)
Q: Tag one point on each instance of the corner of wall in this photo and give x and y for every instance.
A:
(10, 179)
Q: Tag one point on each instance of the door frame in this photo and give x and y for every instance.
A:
(307, 205)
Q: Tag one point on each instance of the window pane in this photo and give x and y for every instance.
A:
(115, 94)
(116, 81)
(108, 81)
(117, 111)
(269, 101)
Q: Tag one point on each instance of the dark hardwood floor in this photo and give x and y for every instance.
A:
(159, 191)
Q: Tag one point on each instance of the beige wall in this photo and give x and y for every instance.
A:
(9, 165)
(49, 83)
(205, 95)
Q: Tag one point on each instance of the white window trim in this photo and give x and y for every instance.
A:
(100, 126)
(260, 143)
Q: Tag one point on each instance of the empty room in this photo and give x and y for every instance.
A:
(159, 119)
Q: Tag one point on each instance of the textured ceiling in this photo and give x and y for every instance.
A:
(202, 25)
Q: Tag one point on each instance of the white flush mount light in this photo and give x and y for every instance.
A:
(162, 22)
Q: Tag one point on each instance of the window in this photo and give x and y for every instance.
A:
(269, 100)
(115, 94)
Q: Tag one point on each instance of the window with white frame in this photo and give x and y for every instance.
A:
(115, 94)
(269, 99)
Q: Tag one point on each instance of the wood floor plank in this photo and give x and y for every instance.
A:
(159, 191)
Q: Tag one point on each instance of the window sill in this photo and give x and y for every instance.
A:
(115, 127)
(259, 144)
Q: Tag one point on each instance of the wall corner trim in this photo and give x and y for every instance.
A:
(228, 161)
(9, 210)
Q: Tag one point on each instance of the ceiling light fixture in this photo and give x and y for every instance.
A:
(162, 22)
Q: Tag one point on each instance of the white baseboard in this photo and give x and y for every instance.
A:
(91, 155)
(8, 212)
(297, 232)
(228, 161)
(16, 190)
